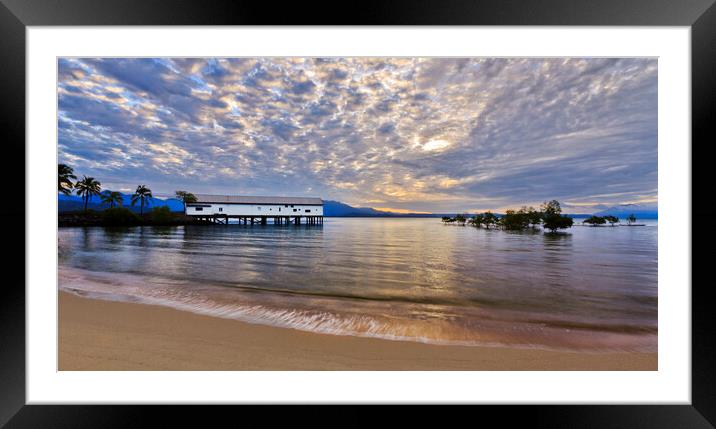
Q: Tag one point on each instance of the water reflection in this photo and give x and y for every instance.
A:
(388, 276)
(115, 235)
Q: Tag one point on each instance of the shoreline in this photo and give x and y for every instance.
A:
(108, 335)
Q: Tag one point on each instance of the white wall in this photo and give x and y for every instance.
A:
(255, 210)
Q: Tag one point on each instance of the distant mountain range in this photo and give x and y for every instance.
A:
(68, 203)
(641, 211)
(338, 209)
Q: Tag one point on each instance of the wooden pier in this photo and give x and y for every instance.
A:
(218, 219)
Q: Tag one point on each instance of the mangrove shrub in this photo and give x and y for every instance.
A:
(595, 220)
(552, 218)
(120, 216)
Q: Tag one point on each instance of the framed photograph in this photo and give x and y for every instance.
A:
(485, 204)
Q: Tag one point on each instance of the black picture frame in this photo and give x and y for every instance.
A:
(699, 15)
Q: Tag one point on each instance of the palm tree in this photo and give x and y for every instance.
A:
(112, 198)
(631, 219)
(140, 195)
(65, 175)
(86, 188)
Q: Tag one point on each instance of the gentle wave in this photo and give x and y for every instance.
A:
(390, 320)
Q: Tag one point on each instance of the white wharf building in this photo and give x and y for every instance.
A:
(247, 209)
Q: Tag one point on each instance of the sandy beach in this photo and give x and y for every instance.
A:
(104, 335)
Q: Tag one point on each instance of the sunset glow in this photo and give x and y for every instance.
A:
(419, 134)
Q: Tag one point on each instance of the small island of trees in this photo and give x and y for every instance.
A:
(601, 220)
(595, 220)
(549, 216)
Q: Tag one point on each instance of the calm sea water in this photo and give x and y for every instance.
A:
(403, 279)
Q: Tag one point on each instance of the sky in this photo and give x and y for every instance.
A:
(408, 134)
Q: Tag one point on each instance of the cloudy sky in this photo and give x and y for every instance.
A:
(419, 134)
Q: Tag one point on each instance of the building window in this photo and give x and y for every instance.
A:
(199, 209)
(221, 209)
(286, 205)
(279, 209)
(292, 206)
(294, 210)
(308, 211)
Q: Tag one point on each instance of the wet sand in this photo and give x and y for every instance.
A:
(114, 336)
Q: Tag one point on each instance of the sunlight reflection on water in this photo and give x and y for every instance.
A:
(414, 279)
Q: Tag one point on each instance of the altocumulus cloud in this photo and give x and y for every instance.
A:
(427, 134)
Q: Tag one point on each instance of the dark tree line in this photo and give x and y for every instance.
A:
(88, 187)
(601, 220)
(549, 216)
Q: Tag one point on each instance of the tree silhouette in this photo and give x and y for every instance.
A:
(551, 208)
(112, 198)
(515, 220)
(552, 217)
(185, 197)
(65, 176)
(488, 218)
(611, 219)
(477, 220)
(140, 195)
(595, 220)
(534, 216)
(86, 188)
